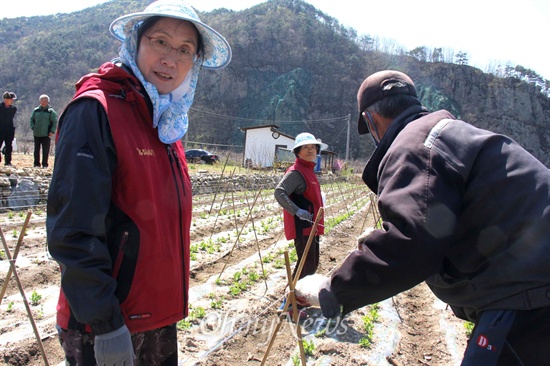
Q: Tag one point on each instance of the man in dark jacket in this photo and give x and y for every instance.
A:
(462, 208)
(7, 128)
(43, 126)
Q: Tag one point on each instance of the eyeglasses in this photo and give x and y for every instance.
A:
(367, 118)
(161, 46)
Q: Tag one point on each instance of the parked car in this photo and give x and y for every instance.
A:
(201, 156)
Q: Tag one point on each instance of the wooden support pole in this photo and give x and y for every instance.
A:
(22, 291)
(15, 253)
(291, 296)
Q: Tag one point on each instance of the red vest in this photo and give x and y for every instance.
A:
(151, 185)
(310, 200)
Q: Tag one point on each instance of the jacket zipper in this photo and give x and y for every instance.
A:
(178, 178)
(120, 255)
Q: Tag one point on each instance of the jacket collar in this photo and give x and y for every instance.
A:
(370, 173)
(309, 164)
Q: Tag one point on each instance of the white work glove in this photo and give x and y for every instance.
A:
(314, 290)
(304, 215)
(361, 239)
(114, 348)
(307, 290)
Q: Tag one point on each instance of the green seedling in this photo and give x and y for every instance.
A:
(469, 328)
(35, 298)
(183, 324)
(309, 347)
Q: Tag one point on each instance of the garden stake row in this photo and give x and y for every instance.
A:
(21, 290)
(375, 212)
(371, 207)
(240, 232)
(221, 203)
(256, 237)
(255, 234)
(291, 296)
(234, 207)
(343, 197)
(218, 185)
(354, 193)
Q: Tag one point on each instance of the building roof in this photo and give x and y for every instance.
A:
(261, 126)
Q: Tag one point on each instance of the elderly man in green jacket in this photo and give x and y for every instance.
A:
(43, 125)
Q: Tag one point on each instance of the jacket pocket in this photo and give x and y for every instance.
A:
(124, 267)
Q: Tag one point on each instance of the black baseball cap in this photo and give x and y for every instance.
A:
(378, 86)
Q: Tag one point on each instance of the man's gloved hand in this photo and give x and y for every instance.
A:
(307, 290)
(114, 348)
(363, 237)
(304, 215)
(327, 300)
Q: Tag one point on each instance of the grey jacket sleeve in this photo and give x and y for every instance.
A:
(292, 182)
(78, 202)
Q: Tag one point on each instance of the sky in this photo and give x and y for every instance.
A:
(491, 32)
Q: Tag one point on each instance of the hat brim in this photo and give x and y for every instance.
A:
(217, 52)
(322, 145)
(362, 126)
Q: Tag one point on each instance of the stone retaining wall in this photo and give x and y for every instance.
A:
(24, 188)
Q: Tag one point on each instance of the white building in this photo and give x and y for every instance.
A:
(261, 145)
(265, 145)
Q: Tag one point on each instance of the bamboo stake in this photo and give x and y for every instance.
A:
(15, 253)
(29, 312)
(291, 295)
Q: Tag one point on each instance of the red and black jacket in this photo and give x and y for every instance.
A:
(119, 211)
(311, 200)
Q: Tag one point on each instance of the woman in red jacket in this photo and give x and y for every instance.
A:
(299, 193)
(119, 204)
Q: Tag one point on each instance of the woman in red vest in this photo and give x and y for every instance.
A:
(119, 204)
(299, 193)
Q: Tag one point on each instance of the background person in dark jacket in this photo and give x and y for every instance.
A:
(464, 209)
(7, 128)
(43, 125)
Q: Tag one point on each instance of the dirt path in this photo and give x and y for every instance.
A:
(233, 305)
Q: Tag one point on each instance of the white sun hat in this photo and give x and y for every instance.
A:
(217, 52)
(306, 138)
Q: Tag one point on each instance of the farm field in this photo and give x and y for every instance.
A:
(238, 280)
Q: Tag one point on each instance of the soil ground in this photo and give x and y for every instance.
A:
(235, 238)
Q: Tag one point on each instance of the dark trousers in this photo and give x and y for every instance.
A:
(157, 347)
(312, 260)
(44, 143)
(6, 138)
(510, 338)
